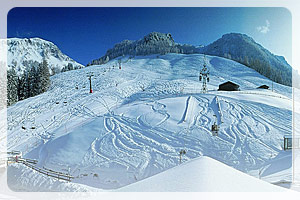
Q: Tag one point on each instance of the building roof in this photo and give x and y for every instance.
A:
(264, 87)
(229, 83)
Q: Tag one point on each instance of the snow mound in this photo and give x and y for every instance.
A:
(202, 174)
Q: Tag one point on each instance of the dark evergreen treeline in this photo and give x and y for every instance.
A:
(68, 67)
(34, 81)
(243, 49)
(263, 66)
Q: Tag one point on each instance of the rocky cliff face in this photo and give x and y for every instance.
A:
(22, 54)
(153, 43)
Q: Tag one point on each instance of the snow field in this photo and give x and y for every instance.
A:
(139, 118)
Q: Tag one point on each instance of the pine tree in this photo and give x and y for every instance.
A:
(44, 75)
(32, 82)
(20, 92)
(70, 66)
(12, 87)
(23, 86)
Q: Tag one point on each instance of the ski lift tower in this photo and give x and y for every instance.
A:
(90, 79)
(120, 62)
(181, 153)
(204, 76)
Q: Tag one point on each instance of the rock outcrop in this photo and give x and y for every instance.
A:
(153, 43)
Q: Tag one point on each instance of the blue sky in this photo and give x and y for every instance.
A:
(85, 34)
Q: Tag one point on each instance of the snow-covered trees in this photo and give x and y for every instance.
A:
(34, 81)
(243, 49)
(12, 87)
(69, 67)
(43, 77)
(23, 87)
(263, 67)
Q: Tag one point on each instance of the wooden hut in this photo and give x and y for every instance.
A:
(263, 87)
(229, 86)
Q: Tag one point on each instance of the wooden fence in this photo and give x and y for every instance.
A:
(48, 172)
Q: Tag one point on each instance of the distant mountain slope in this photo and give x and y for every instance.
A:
(153, 43)
(234, 46)
(25, 53)
(243, 49)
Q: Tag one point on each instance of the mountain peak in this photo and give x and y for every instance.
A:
(152, 43)
(23, 53)
(234, 46)
(237, 36)
(156, 36)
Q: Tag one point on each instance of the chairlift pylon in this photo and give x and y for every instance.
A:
(215, 128)
(181, 153)
(204, 76)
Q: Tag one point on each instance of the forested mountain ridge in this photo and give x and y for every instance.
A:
(243, 49)
(153, 43)
(234, 46)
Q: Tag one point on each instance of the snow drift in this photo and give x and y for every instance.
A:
(202, 175)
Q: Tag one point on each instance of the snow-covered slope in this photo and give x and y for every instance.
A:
(21, 53)
(202, 174)
(140, 117)
(235, 46)
(244, 49)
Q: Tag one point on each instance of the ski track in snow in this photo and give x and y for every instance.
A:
(138, 132)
